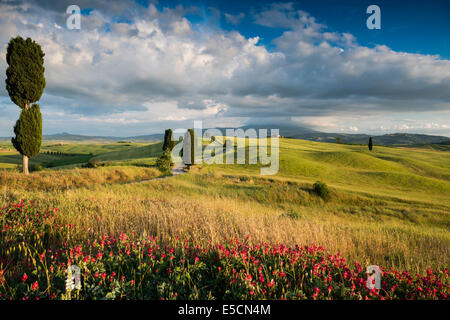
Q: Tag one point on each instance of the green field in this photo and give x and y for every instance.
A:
(388, 207)
(66, 155)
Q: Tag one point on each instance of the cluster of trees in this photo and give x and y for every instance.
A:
(164, 163)
(57, 153)
(25, 83)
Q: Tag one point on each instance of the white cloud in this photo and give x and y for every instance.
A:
(234, 19)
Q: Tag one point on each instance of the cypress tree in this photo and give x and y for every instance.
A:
(28, 130)
(165, 140)
(370, 144)
(168, 143)
(25, 83)
(191, 132)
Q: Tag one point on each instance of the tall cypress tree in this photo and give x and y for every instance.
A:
(25, 83)
(370, 144)
(191, 132)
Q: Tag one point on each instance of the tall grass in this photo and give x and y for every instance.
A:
(74, 178)
(194, 206)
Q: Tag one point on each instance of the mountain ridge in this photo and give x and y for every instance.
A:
(392, 139)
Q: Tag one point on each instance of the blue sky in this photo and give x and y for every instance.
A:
(138, 67)
(411, 26)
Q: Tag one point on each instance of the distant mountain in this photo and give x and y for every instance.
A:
(395, 139)
(284, 130)
(289, 131)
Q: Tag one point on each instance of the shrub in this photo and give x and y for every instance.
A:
(35, 167)
(292, 215)
(322, 190)
(164, 163)
(50, 165)
(93, 163)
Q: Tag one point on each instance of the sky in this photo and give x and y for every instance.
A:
(137, 67)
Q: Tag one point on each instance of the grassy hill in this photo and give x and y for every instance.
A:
(388, 207)
(385, 169)
(63, 154)
(442, 146)
(394, 139)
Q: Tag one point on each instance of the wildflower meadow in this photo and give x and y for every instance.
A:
(37, 248)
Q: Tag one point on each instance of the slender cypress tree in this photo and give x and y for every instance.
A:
(191, 132)
(25, 83)
(165, 140)
(370, 144)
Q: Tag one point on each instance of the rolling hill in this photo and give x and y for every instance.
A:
(99, 139)
(290, 131)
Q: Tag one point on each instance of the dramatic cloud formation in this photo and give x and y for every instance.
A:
(135, 70)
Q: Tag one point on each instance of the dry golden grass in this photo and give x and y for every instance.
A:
(192, 206)
(74, 178)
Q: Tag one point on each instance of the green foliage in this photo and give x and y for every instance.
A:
(191, 132)
(168, 142)
(225, 142)
(28, 130)
(292, 215)
(164, 162)
(370, 144)
(25, 81)
(93, 163)
(322, 190)
(35, 167)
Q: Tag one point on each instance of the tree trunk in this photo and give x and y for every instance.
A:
(25, 164)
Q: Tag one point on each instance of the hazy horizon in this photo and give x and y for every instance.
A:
(268, 128)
